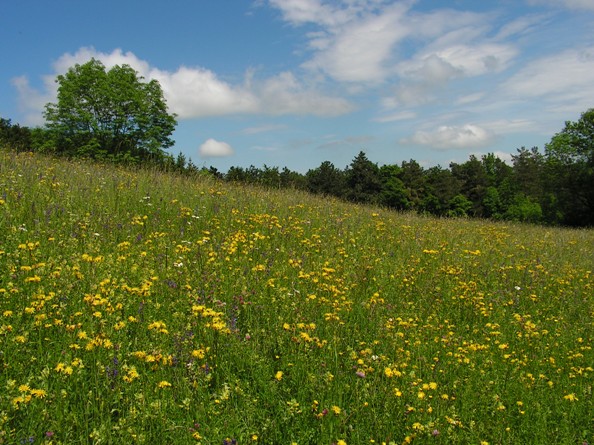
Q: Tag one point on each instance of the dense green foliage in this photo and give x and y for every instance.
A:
(109, 113)
(144, 307)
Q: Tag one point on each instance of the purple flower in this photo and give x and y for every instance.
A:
(360, 374)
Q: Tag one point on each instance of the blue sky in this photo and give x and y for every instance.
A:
(297, 82)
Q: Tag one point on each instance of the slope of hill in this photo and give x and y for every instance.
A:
(137, 307)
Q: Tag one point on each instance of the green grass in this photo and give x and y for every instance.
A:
(138, 307)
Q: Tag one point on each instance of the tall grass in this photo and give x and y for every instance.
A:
(139, 307)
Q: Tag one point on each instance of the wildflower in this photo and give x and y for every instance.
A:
(39, 393)
(341, 442)
(336, 410)
(571, 397)
(163, 384)
(360, 374)
(198, 353)
(17, 401)
(279, 376)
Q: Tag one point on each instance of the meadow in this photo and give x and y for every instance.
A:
(144, 307)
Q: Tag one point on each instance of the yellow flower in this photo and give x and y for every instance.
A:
(279, 376)
(39, 393)
(571, 397)
(341, 442)
(198, 353)
(336, 410)
(163, 384)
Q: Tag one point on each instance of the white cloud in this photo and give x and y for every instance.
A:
(566, 78)
(521, 26)
(32, 101)
(193, 92)
(364, 43)
(507, 126)
(299, 12)
(445, 137)
(116, 57)
(198, 92)
(570, 4)
(349, 141)
(283, 94)
(263, 129)
(361, 50)
(470, 98)
(398, 116)
(212, 148)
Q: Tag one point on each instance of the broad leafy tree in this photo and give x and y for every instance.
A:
(109, 113)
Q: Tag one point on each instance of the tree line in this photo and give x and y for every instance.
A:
(114, 115)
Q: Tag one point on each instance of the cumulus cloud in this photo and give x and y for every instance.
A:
(32, 101)
(445, 137)
(198, 92)
(212, 148)
(193, 92)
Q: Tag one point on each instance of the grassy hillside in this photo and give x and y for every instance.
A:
(137, 307)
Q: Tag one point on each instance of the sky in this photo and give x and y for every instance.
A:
(294, 83)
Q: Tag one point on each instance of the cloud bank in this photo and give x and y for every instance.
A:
(193, 92)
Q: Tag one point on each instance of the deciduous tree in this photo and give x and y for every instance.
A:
(109, 113)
